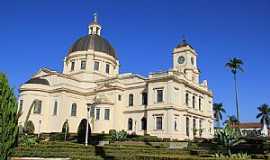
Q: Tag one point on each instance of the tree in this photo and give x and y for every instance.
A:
(235, 65)
(218, 110)
(65, 130)
(232, 120)
(8, 118)
(228, 137)
(264, 114)
(81, 131)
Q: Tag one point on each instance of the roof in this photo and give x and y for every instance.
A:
(248, 125)
(183, 44)
(38, 80)
(94, 42)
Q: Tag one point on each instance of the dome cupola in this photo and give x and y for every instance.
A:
(91, 57)
(93, 41)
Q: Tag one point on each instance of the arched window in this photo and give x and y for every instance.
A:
(144, 123)
(130, 124)
(130, 100)
(74, 109)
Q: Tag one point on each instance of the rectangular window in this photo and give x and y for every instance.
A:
(83, 64)
(159, 123)
(107, 68)
(55, 108)
(92, 111)
(187, 126)
(37, 107)
(144, 98)
(193, 101)
(97, 113)
(119, 97)
(96, 66)
(130, 100)
(74, 109)
(72, 66)
(175, 124)
(107, 114)
(194, 127)
(200, 104)
(200, 127)
(187, 99)
(21, 105)
(159, 95)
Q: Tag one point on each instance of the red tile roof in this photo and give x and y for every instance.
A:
(248, 125)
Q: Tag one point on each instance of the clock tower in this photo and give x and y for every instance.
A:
(185, 61)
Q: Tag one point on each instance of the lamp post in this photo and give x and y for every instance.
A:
(66, 128)
(39, 122)
(86, 132)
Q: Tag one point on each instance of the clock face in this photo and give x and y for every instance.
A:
(181, 59)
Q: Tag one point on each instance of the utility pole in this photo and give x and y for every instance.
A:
(86, 132)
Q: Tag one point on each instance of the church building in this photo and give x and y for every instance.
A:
(171, 104)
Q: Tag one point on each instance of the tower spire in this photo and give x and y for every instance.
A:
(94, 27)
(95, 17)
(184, 40)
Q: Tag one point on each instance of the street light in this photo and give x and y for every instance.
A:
(66, 128)
(86, 132)
(39, 122)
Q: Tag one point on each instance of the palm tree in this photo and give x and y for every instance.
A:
(264, 114)
(232, 120)
(235, 65)
(218, 110)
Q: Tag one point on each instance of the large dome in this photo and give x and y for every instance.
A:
(93, 42)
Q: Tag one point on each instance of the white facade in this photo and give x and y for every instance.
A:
(172, 104)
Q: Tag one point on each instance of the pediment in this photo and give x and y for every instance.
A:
(42, 72)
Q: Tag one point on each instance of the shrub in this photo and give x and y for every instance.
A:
(239, 156)
(29, 128)
(119, 136)
(28, 140)
(111, 131)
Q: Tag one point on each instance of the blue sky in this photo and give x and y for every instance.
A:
(35, 34)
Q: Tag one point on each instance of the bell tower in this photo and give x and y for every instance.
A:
(185, 61)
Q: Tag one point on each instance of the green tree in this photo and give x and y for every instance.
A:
(228, 137)
(65, 130)
(8, 119)
(264, 114)
(235, 65)
(218, 110)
